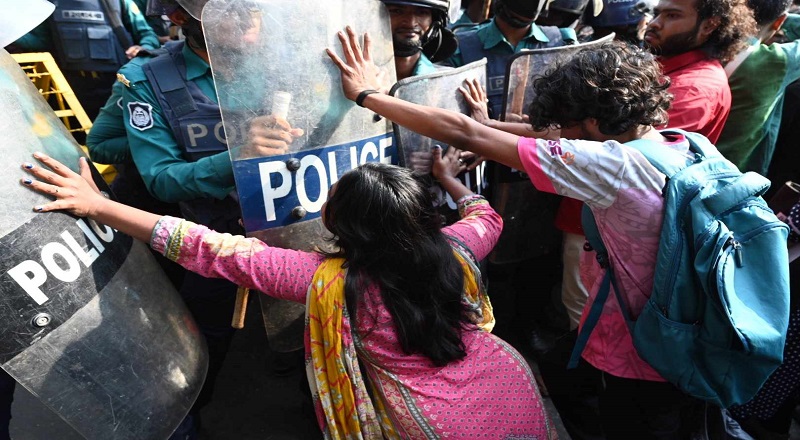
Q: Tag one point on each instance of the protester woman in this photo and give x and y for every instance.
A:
(396, 340)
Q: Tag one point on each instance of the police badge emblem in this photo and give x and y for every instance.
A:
(141, 115)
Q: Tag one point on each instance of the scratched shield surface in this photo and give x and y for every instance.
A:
(437, 89)
(268, 58)
(89, 323)
(528, 214)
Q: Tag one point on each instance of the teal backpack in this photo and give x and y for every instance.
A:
(716, 321)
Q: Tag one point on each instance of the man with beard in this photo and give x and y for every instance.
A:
(419, 35)
(693, 39)
(174, 130)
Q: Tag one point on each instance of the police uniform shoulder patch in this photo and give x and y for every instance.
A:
(141, 115)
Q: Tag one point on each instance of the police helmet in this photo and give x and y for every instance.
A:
(621, 13)
(524, 8)
(441, 7)
(575, 7)
(166, 7)
(440, 42)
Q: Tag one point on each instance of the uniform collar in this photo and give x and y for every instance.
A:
(673, 63)
(423, 66)
(492, 35)
(195, 66)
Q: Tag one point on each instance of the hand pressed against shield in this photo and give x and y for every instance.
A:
(359, 73)
(448, 164)
(75, 193)
(269, 136)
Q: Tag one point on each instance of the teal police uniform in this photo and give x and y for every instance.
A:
(108, 140)
(486, 40)
(160, 159)
(424, 66)
(495, 43)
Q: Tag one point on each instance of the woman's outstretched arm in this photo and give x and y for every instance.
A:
(77, 194)
(360, 74)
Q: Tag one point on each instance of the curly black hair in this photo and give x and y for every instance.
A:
(618, 84)
(767, 11)
(735, 26)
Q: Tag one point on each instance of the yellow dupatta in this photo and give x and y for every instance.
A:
(341, 399)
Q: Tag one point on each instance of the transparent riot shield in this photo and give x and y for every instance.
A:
(528, 214)
(89, 323)
(437, 89)
(268, 58)
(16, 21)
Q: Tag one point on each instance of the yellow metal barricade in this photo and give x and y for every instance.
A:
(42, 69)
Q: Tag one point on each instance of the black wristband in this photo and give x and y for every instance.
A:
(363, 95)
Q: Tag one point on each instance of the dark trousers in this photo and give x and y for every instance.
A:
(211, 302)
(7, 385)
(645, 410)
(574, 392)
(520, 305)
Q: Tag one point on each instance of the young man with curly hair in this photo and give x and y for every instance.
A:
(600, 100)
(693, 39)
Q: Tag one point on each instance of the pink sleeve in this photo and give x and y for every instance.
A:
(479, 228)
(589, 171)
(248, 262)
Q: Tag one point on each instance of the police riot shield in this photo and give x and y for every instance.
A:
(437, 89)
(528, 214)
(89, 323)
(268, 59)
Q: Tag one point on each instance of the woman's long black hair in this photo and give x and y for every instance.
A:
(389, 234)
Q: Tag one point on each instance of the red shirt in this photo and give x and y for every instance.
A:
(702, 96)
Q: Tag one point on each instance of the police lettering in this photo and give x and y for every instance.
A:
(61, 259)
(316, 171)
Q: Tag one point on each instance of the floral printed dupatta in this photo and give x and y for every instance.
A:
(342, 402)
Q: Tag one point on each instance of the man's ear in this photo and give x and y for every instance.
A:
(179, 17)
(707, 27)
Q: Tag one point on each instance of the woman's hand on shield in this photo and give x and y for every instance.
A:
(269, 136)
(359, 72)
(445, 169)
(78, 195)
(448, 164)
(74, 193)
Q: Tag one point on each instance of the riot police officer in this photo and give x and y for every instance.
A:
(510, 31)
(419, 35)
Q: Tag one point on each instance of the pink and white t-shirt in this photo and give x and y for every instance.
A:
(623, 191)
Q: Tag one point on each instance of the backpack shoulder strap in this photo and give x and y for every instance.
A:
(666, 160)
(596, 242)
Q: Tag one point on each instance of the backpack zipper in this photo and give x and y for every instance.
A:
(689, 196)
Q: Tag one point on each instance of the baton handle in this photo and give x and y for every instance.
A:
(240, 309)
